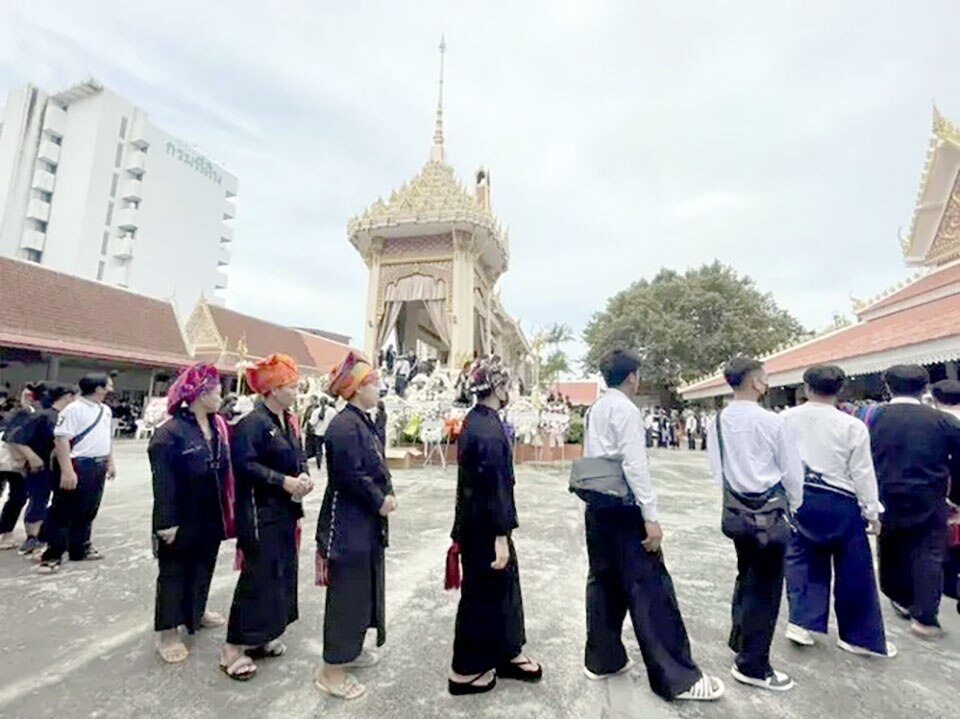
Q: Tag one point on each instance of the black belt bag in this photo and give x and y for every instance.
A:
(763, 517)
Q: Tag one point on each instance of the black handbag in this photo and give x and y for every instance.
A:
(761, 516)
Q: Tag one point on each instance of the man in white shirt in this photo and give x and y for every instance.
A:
(319, 420)
(83, 447)
(627, 570)
(690, 425)
(757, 455)
(839, 497)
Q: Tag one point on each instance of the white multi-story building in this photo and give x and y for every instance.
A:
(89, 186)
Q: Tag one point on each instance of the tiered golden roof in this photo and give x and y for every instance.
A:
(433, 196)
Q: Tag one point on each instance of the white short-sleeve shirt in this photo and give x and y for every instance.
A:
(76, 417)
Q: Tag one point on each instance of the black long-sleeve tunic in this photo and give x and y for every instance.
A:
(264, 453)
(485, 505)
(352, 535)
(490, 624)
(358, 482)
(189, 479)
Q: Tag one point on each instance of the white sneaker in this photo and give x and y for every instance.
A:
(600, 677)
(864, 652)
(707, 689)
(775, 681)
(799, 635)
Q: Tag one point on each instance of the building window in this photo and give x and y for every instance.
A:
(103, 245)
(123, 127)
(113, 184)
(100, 269)
(109, 214)
(55, 139)
(42, 195)
(48, 166)
(31, 255)
(119, 154)
(132, 204)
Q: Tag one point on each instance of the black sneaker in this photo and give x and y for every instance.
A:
(29, 546)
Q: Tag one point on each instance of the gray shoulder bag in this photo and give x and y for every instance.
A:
(763, 516)
(599, 481)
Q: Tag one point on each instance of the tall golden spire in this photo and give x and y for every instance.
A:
(436, 153)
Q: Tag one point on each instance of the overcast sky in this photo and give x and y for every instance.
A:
(785, 138)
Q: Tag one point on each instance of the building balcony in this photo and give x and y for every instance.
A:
(123, 248)
(223, 255)
(226, 234)
(33, 240)
(54, 120)
(127, 218)
(43, 180)
(38, 210)
(49, 151)
(136, 162)
(221, 280)
(138, 135)
(229, 210)
(132, 190)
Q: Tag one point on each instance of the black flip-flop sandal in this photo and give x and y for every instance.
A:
(243, 661)
(461, 689)
(513, 670)
(278, 649)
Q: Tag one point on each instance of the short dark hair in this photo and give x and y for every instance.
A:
(90, 383)
(738, 369)
(50, 392)
(825, 379)
(908, 380)
(947, 391)
(617, 365)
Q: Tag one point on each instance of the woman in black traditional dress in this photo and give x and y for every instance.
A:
(192, 506)
(489, 636)
(352, 531)
(271, 477)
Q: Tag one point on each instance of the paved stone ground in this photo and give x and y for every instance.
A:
(80, 644)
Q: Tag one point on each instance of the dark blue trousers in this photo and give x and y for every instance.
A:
(832, 544)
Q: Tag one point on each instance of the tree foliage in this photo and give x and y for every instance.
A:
(687, 325)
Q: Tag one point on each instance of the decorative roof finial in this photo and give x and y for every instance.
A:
(943, 128)
(436, 153)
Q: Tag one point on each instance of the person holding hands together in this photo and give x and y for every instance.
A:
(271, 482)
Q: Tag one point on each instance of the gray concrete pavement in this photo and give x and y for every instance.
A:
(80, 644)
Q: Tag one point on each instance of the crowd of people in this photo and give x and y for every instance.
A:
(802, 490)
(675, 428)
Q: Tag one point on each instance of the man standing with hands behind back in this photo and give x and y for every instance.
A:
(627, 570)
(83, 439)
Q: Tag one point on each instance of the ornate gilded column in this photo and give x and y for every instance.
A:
(462, 309)
(372, 257)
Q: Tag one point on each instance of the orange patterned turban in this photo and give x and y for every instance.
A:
(350, 375)
(271, 372)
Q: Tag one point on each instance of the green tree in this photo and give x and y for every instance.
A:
(558, 334)
(553, 366)
(686, 325)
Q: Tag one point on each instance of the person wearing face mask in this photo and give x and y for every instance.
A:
(352, 532)
(192, 506)
(752, 453)
(271, 482)
(489, 632)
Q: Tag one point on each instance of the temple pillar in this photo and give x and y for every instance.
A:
(462, 306)
(373, 259)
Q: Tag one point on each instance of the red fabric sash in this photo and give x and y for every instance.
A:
(230, 485)
(452, 574)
